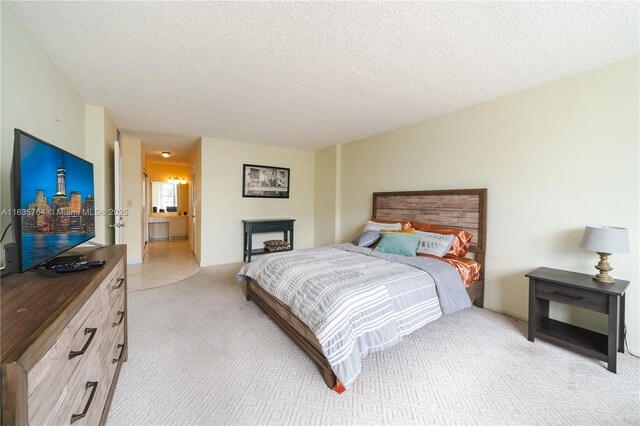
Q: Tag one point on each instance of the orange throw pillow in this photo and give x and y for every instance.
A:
(468, 269)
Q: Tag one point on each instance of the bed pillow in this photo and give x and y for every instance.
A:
(433, 243)
(366, 239)
(468, 269)
(398, 243)
(461, 242)
(404, 223)
(380, 226)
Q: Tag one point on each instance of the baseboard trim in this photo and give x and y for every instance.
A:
(511, 313)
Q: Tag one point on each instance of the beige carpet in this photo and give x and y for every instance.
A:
(200, 354)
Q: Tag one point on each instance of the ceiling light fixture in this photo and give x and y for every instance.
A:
(170, 180)
(183, 181)
(166, 154)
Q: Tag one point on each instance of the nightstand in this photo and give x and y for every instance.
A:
(575, 289)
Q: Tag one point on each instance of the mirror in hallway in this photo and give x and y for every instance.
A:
(171, 198)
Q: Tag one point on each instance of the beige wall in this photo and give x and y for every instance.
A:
(554, 158)
(132, 183)
(327, 195)
(101, 132)
(36, 98)
(224, 208)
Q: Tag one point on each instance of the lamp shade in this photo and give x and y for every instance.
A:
(605, 239)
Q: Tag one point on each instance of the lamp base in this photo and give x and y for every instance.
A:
(604, 268)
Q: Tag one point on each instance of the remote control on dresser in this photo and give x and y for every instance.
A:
(76, 266)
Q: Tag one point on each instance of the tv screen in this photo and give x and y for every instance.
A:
(53, 200)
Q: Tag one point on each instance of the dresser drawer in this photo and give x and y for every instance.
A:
(117, 352)
(51, 374)
(598, 302)
(112, 279)
(114, 285)
(114, 322)
(101, 374)
(84, 398)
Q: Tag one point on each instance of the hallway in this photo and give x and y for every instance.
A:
(166, 262)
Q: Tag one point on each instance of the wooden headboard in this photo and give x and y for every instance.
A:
(459, 208)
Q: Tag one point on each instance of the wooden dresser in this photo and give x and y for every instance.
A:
(63, 342)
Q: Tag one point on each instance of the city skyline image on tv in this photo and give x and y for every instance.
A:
(56, 201)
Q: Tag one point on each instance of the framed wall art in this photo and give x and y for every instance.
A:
(265, 181)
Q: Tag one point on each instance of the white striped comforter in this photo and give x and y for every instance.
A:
(354, 303)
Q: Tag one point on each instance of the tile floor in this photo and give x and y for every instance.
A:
(166, 262)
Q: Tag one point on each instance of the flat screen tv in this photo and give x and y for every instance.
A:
(53, 204)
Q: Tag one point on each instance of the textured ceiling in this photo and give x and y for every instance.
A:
(154, 144)
(313, 74)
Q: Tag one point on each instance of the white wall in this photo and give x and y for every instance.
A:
(554, 158)
(132, 183)
(35, 98)
(224, 208)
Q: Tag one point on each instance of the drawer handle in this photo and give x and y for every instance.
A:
(120, 282)
(121, 313)
(570, 296)
(92, 332)
(93, 385)
(121, 347)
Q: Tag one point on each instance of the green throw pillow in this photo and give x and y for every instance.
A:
(398, 243)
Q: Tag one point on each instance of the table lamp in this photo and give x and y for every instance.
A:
(605, 240)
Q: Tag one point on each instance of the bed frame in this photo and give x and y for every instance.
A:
(460, 208)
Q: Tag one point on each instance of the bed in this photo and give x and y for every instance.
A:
(463, 209)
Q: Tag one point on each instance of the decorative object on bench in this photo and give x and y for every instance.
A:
(276, 245)
(605, 240)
